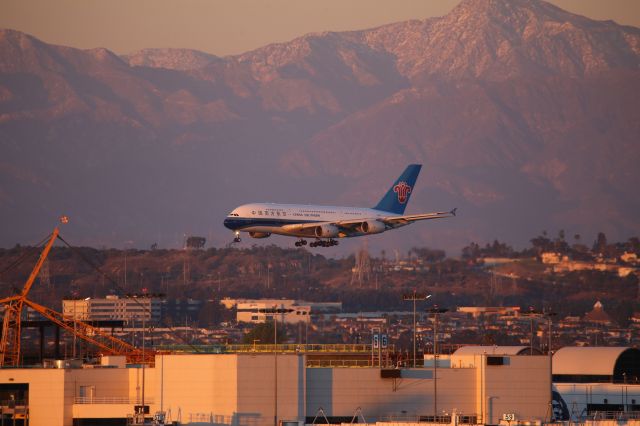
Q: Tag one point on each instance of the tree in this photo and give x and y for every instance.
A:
(429, 255)
(560, 245)
(263, 333)
(541, 243)
(471, 252)
(600, 245)
(633, 245)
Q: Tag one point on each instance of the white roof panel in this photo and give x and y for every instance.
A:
(586, 360)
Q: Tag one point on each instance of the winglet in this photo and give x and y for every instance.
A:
(453, 212)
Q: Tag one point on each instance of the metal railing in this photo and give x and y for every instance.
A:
(338, 363)
(443, 419)
(613, 415)
(260, 348)
(111, 400)
(11, 403)
(302, 348)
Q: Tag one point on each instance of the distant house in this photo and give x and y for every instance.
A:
(629, 257)
(552, 258)
(476, 311)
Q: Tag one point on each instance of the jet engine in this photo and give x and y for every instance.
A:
(326, 231)
(253, 234)
(372, 227)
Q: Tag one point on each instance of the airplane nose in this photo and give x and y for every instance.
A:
(231, 223)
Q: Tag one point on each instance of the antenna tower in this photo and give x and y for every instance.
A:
(361, 271)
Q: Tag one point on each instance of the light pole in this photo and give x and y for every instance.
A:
(548, 315)
(274, 313)
(531, 314)
(435, 311)
(415, 296)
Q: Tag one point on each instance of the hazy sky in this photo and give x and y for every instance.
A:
(233, 26)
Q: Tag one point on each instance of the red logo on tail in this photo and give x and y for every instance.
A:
(403, 190)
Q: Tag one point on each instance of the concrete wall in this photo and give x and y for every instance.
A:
(197, 387)
(522, 386)
(229, 389)
(340, 391)
(49, 404)
(256, 388)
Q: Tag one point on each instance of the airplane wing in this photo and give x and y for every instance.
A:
(405, 220)
(353, 225)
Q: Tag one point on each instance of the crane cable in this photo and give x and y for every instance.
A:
(24, 256)
(121, 290)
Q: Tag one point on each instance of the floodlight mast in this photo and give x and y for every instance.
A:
(415, 296)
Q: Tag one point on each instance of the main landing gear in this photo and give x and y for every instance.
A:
(331, 242)
(301, 243)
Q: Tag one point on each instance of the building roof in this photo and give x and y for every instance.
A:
(598, 315)
(585, 360)
(495, 350)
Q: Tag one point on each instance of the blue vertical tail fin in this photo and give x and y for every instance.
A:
(397, 197)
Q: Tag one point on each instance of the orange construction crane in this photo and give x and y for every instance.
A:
(11, 325)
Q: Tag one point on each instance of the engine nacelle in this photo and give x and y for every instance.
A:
(326, 231)
(372, 227)
(253, 234)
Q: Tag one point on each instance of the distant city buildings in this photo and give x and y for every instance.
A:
(560, 264)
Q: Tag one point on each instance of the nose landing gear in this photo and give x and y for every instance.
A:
(237, 237)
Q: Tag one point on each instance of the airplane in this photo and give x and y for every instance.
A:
(324, 223)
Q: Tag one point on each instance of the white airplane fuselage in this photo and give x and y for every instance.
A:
(272, 218)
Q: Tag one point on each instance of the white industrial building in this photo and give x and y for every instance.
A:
(600, 382)
(256, 311)
(480, 387)
(110, 308)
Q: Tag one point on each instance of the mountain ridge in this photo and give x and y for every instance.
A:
(515, 106)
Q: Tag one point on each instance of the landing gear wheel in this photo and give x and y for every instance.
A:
(301, 243)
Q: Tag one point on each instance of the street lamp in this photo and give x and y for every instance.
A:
(532, 313)
(549, 315)
(415, 296)
(435, 310)
(274, 312)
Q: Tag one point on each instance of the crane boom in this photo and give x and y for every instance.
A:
(11, 323)
(108, 344)
(11, 330)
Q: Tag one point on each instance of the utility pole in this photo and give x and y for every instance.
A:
(414, 297)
